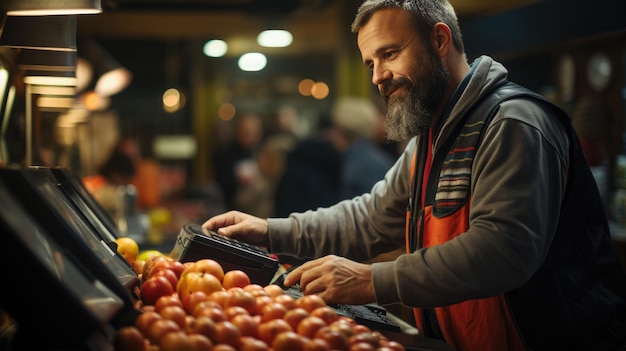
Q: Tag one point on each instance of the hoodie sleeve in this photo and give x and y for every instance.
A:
(359, 228)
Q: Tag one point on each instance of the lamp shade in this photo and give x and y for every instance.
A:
(56, 33)
(51, 7)
(44, 67)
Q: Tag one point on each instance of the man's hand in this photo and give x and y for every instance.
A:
(335, 279)
(240, 226)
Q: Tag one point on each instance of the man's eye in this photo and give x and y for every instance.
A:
(390, 54)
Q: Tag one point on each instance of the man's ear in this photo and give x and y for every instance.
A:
(442, 38)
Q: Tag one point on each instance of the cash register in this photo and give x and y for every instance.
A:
(66, 287)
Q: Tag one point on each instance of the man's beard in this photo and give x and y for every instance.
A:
(411, 112)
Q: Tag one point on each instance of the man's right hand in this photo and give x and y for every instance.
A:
(240, 226)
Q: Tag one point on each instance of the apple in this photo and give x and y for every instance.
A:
(149, 265)
(146, 254)
(138, 266)
(154, 288)
(173, 266)
(206, 265)
(167, 273)
(197, 281)
(128, 248)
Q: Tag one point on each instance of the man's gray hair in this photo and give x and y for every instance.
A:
(426, 13)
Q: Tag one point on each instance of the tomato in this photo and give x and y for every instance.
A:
(146, 319)
(169, 300)
(159, 328)
(326, 313)
(261, 301)
(249, 343)
(202, 325)
(220, 296)
(335, 339)
(176, 314)
(215, 313)
(192, 300)
(200, 342)
(286, 300)
(243, 299)
(175, 341)
(310, 302)
(247, 324)
(154, 288)
(128, 339)
(233, 311)
(288, 341)
(295, 316)
(316, 345)
(235, 278)
(273, 310)
(227, 333)
(273, 290)
(269, 330)
(309, 326)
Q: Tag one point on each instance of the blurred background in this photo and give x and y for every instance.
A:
(190, 70)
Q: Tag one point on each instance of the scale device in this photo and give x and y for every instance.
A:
(39, 193)
(194, 243)
(54, 301)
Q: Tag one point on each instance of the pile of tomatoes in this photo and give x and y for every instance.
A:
(208, 309)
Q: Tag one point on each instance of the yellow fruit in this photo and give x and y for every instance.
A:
(128, 248)
(146, 254)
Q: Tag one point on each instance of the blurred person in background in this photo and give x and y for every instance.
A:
(257, 196)
(363, 163)
(234, 163)
(311, 175)
(109, 186)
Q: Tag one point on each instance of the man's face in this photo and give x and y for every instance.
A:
(408, 72)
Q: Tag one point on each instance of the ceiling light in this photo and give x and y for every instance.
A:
(113, 77)
(252, 62)
(51, 7)
(56, 33)
(44, 67)
(276, 38)
(215, 48)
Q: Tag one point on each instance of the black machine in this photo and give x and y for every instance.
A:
(194, 243)
(56, 299)
(74, 189)
(39, 193)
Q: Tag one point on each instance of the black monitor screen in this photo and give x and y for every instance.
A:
(39, 193)
(79, 195)
(56, 284)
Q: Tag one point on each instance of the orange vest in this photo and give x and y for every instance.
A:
(477, 324)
